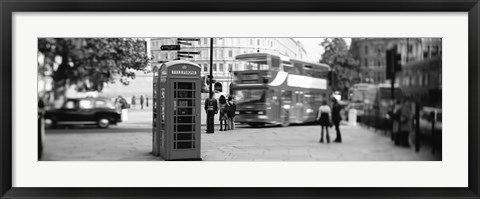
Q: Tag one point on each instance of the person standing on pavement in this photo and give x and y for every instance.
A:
(336, 118)
(406, 123)
(141, 101)
(147, 101)
(324, 118)
(133, 102)
(223, 113)
(211, 107)
(124, 107)
(231, 112)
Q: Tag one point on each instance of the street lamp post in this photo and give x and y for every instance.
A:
(211, 103)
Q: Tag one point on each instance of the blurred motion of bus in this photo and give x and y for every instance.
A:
(361, 95)
(278, 90)
(376, 101)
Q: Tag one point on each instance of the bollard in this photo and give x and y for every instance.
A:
(417, 127)
(432, 116)
(352, 117)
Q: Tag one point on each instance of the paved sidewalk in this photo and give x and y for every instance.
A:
(283, 144)
(132, 141)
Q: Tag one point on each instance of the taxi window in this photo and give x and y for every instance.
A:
(100, 104)
(70, 105)
(103, 104)
(86, 104)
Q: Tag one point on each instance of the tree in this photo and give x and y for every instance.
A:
(89, 63)
(339, 58)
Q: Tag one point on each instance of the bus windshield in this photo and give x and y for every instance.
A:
(250, 95)
(253, 62)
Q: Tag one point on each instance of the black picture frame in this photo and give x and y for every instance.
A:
(10, 6)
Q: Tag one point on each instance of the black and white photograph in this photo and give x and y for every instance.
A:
(259, 99)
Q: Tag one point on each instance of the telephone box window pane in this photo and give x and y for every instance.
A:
(184, 94)
(185, 119)
(184, 111)
(185, 85)
(184, 145)
(184, 128)
(185, 103)
(183, 136)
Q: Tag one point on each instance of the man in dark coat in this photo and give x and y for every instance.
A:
(336, 118)
(211, 107)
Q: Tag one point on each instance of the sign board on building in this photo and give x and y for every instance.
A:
(188, 39)
(188, 52)
(170, 47)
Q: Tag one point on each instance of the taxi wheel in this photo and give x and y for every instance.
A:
(103, 122)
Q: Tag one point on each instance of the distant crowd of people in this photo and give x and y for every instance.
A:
(122, 104)
(226, 107)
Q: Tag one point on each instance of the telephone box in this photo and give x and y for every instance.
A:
(177, 107)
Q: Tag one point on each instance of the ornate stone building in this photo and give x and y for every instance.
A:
(225, 50)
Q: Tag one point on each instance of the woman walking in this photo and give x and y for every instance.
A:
(223, 113)
(324, 117)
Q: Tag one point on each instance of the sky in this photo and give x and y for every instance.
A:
(313, 47)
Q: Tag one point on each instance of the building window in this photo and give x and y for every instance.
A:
(366, 50)
(230, 67)
(205, 67)
(221, 68)
(230, 53)
(214, 67)
(251, 42)
(379, 64)
(365, 62)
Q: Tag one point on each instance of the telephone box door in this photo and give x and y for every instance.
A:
(186, 119)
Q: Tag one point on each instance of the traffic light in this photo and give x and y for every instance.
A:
(329, 77)
(208, 80)
(393, 62)
(397, 62)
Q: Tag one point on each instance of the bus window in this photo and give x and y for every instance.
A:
(286, 96)
(250, 95)
(275, 63)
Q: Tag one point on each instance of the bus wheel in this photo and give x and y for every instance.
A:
(286, 120)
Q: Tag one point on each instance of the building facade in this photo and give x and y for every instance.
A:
(371, 52)
(224, 52)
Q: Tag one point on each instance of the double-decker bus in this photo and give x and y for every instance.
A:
(278, 90)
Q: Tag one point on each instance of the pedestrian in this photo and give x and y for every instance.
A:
(141, 101)
(147, 101)
(336, 118)
(211, 107)
(324, 118)
(223, 106)
(231, 115)
(396, 117)
(124, 106)
(133, 102)
(406, 123)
